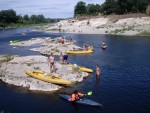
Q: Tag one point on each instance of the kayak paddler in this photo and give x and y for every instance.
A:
(76, 95)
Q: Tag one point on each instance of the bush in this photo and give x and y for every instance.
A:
(148, 10)
(37, 68)
(75, 69)
(8, 58)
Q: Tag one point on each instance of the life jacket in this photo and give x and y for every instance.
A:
(74, 99)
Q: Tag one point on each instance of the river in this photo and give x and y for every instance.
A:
(123, 86)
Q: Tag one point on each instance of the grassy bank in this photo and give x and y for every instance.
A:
(22, 25)
(145, 33)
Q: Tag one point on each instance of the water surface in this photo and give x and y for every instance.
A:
(123, 86)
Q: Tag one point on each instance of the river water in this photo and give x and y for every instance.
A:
(123, 86)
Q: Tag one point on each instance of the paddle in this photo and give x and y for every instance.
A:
(89, 93)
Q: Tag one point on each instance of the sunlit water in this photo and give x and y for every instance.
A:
(123, 86)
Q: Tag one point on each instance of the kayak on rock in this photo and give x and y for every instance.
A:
(47, 78)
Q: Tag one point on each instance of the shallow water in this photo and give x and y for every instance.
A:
(123, 86)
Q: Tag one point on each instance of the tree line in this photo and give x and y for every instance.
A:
(9, 18)
(111, 6)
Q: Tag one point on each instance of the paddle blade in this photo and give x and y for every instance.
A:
(89, 93)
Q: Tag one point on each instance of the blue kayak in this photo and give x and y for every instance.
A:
(83, 101)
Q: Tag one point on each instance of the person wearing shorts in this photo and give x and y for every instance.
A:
(65, 59)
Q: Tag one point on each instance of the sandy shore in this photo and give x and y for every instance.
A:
(102, 25)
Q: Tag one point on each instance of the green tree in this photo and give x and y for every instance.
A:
(142, 5)
(33, 19)
(40, 19)
(8, 16)
(109, 6)
(26, 17)
(93, 9)
(80, 8)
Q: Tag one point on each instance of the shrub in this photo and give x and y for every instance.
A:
(75, 69)
(8, 58)
(37, 68)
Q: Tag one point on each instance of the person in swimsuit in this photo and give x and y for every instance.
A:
(62, 40)
(98, 71)
(51, 61)
(71, 40)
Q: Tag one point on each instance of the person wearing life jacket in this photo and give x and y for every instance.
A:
(76, 95)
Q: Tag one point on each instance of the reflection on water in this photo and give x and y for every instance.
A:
(75, 107)
(98, 80)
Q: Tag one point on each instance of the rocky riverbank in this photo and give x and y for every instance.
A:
(115, 24)
(12, 71)
(12, 68)
(47, 45)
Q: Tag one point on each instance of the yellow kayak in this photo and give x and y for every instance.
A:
(83, 68)
(48, 78)
(90, 50)
(78, 52)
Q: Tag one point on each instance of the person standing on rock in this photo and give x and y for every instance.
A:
(71, 40)
(65, 59)
(51, 62)
(62, 40)
(98, 71)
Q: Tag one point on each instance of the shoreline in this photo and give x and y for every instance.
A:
(102, 25)
(96, 34)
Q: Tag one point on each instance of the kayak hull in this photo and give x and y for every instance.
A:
(84, 69)
(15, 41)
(47, 78)
(83, 101)
(78, 52)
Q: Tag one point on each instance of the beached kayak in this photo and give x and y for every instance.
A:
(83, 101)
(15, 41)
(80, 51)
(47, 78)
(82, 68)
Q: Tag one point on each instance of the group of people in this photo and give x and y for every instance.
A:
(62, 40)
(63, 59)
(85, 48)
(51, 61)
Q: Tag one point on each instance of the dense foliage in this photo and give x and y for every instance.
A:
(9, 18)
(111, 6)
